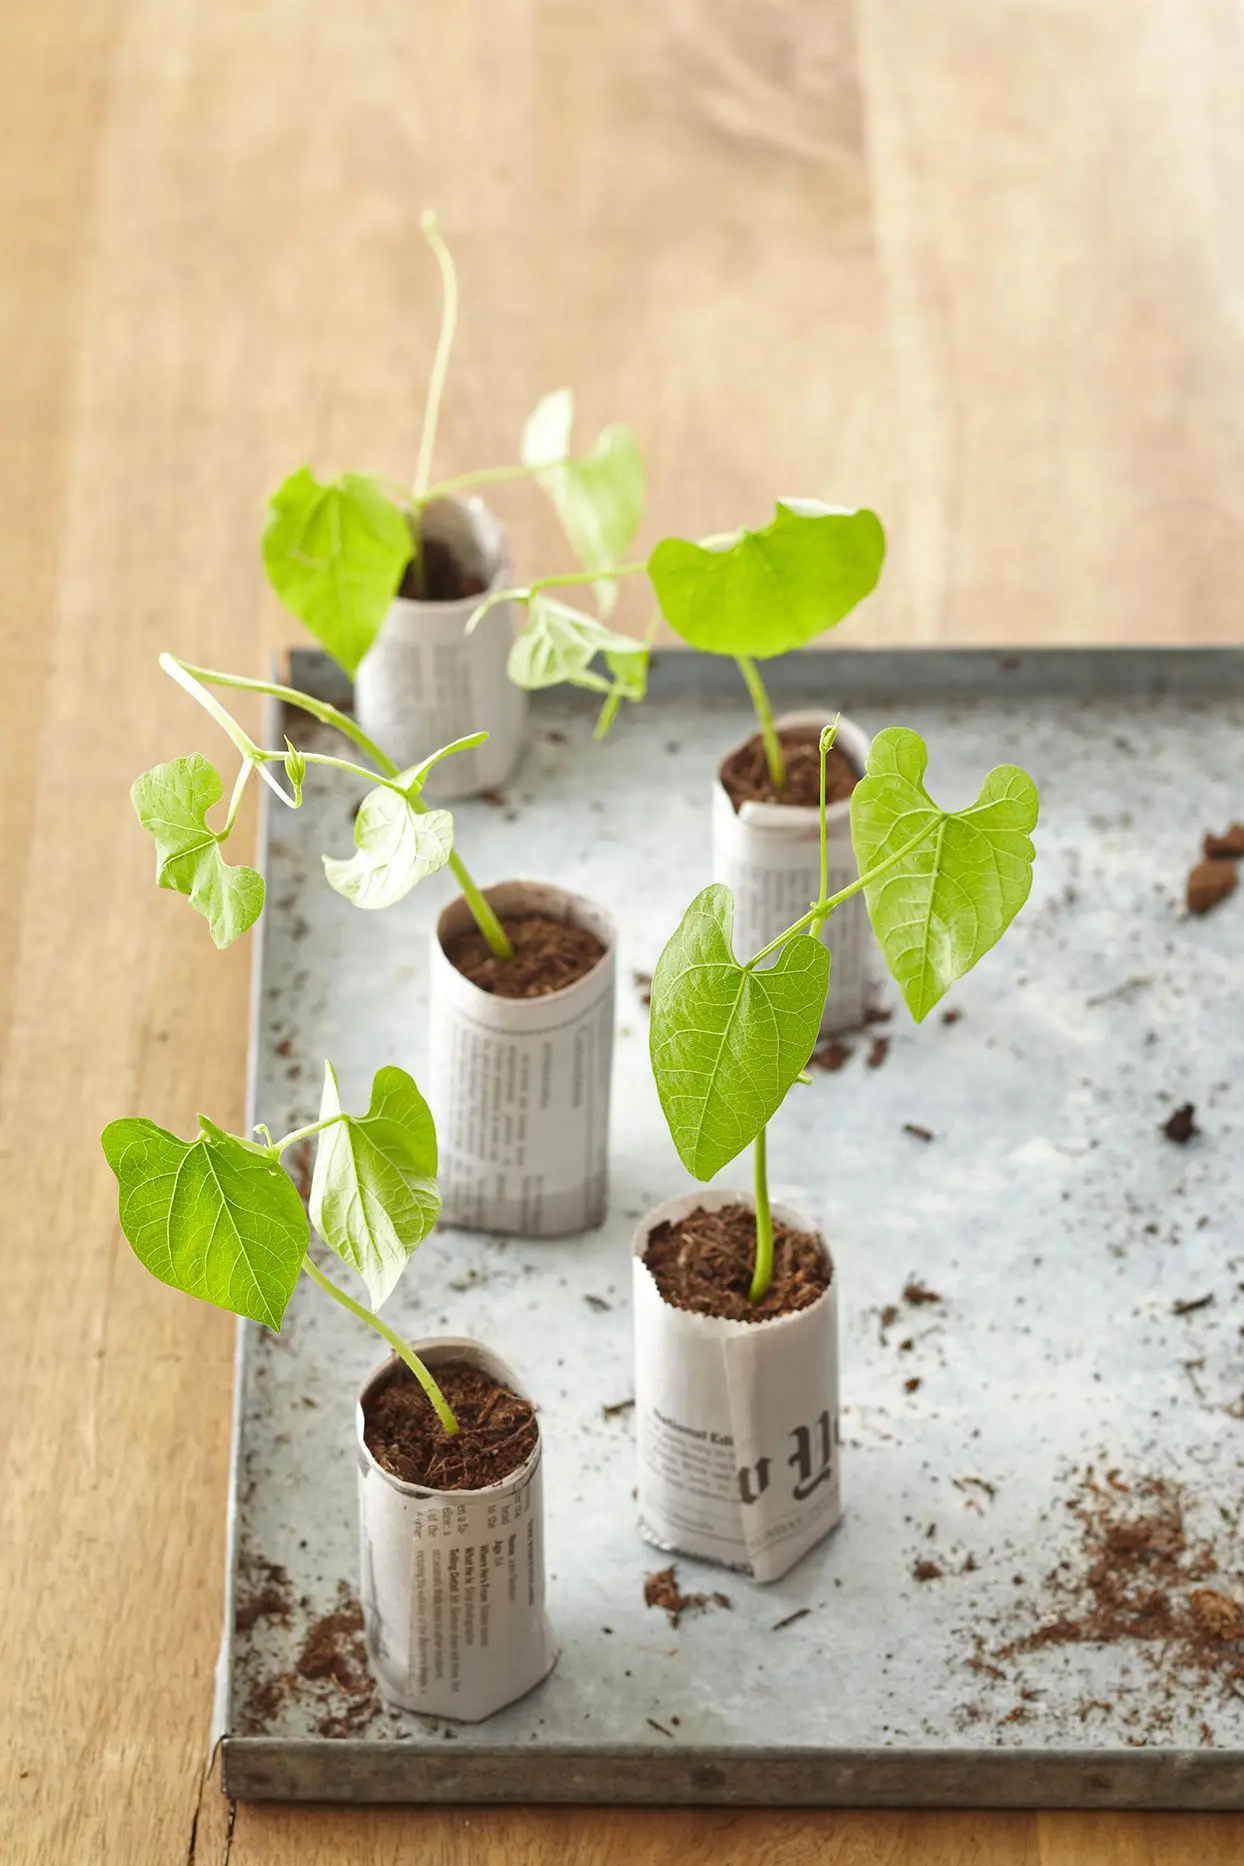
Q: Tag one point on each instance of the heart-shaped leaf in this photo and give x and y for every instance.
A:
(335, 554)
(599, 499)
(953, 896)
(216, 1217)
(172, 801)
(771, 590)
(559, 643)
(373, 1193)
(727, 1043)
(397, 843)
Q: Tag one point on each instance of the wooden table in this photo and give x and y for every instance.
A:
(977, 265)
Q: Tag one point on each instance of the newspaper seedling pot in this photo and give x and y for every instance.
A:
(736, 1422)
(426, 682)
(769, 855)
(520, 1086)
(453, 1580)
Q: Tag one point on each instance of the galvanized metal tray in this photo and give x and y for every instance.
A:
(1064, 1234)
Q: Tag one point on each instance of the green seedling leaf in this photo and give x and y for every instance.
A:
(772, 590)
(335, 554)
(945, 904)
(559, 643)
(599, 499)
(395, 844)
(216, 1217)
(728, 1043)
(373, 1193)
(172, 801)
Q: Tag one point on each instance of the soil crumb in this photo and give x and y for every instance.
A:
(704, 1263)
(1209, 883)
(745, 774)
(917, 1296)
(267, 1595)
(498, 1430)
(643, 986)
(1223, 848)
(1181, 1127)
(878, 1052)
(548, 955)
(926, 1571)
(441, 578)
(830, 1055)
(662, 1590)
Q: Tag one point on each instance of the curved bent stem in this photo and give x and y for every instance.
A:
(444, 345)
(821, 910)
(440, 1404)
(762, 1273)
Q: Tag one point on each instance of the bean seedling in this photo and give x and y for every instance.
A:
(729, 1040)
(219, 1217)
(336, 552)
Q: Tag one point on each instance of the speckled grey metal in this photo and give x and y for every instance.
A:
(1057, 1223)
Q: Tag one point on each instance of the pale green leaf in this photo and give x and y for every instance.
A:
(600, 498)
(727, 1043)
(773, 590)
(373, 1192)
(172, 801)
(216, 1217)
(295, 770)
(559, 644)
(396, 845)
(335, 554)
(940, 908)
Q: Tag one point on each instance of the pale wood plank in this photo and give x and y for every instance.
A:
(981, 268)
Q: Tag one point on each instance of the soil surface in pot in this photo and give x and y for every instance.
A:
(498, 1430)
(548, 955)
(444, 578)
(746, 775)
(704, 1261)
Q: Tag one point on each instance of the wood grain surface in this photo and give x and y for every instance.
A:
(979, 264)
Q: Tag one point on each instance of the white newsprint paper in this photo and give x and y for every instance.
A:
(737, 1422)
(519, 1087)
(769, 855)
(452, 1582)
(426, 682)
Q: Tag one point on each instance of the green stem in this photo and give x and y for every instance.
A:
(303, 1133)
(189, 677)
(828, 735)
(523, 593)
(235, 802)
(764, 714)
(823, 908)
(486, 476)
(439, 1402)
(444, 345)
(762, 1274)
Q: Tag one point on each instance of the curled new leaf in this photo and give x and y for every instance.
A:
(599, 499)
(397, 843)
(216, 1217)
(560, 643)
(952, 897)
(771, 590)
(728, 1043)
(335, 554)
(172, 801)
(373, 1194)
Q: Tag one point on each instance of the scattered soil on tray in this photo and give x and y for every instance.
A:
(830, 1054)
(917, 1296)
(266, 1594)
(1209, 883)
(548, 955)
(926, 1571)
(444, 578)
(745, 774)
(643, 986)
(498, 1430)
(662, 1590)
(1139, 1580)
(1230, 844)
(704, 1263)
(878, 1052)
(331, 1670)
(1181, 1126)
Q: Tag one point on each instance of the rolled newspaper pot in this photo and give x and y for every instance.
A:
(425, 681)
(453, 1580)
(520, 1086)
(769, 855)
(736, 1422)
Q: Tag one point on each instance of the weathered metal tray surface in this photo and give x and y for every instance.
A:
(1060, 1228)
